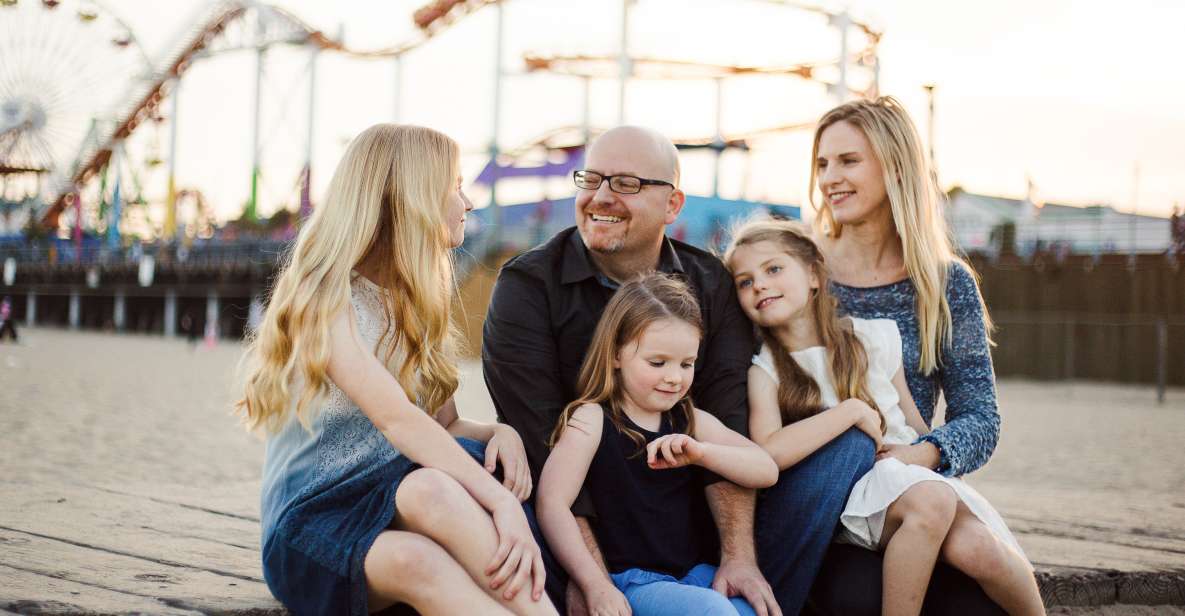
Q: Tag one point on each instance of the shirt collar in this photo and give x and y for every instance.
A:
(578, 266)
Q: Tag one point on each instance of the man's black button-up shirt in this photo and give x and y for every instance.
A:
(544, 308)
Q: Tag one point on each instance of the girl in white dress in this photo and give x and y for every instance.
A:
(818, 376)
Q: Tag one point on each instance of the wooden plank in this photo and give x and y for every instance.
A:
(25, 592)
(1086, 529)
(134, 526)
(236, 499)
(180, 587)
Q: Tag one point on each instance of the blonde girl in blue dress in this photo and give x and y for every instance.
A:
(817, 376)
(374, 491)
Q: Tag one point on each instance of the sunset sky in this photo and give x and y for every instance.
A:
(1074, 95)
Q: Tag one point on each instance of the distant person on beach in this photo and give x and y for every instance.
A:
(374, 491)
(544, 309)
(880, 229)
(634, 441)
(817, 376)
(7, 327)
(1177, 232)
(189, 327)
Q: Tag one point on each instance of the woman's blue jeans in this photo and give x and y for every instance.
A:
(657, 594)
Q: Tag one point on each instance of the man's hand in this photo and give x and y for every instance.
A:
(506, 447)
(606, 600)
(740, 578)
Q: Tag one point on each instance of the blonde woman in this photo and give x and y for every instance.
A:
(373, 489)
(880, 226)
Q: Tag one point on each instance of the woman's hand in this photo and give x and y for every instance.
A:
(507, 447)
(864, 417)
(517, 560)
(673, 451)
(606, 600)
(923, 454)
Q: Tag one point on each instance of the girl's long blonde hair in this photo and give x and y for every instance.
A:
(385, 204)
(637, 304)
(799, 396)
(916, 205)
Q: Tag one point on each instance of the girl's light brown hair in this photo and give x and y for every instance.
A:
(636, 305)
(386, 200)
(799, 396)
(916, 205)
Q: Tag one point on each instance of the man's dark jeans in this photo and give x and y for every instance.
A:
(796, 521)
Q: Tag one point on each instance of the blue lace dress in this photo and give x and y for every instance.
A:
(329, 491)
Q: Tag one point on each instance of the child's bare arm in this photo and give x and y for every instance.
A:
(731, 455)
(503, 444)
(563, 476)
(458, 426)
(362, 377)
(788, 445)
(913, 417)
(359, 374)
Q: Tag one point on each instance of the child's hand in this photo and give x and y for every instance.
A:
(673, 451)
(517, 563)
(606, 600)
(866, 418)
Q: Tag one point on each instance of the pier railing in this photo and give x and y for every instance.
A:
(67, 255)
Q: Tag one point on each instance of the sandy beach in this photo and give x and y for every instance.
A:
(93, 408)
(147, 414)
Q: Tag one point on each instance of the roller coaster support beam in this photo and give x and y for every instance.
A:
(497, 111)
(251, 214)
(171, 196)
(396, 108)
(586, 110)
(117, 156)
(842, 21)
(718, 142)
(306, 176)
(624, 62)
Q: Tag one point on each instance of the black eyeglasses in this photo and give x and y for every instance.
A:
(623, 184)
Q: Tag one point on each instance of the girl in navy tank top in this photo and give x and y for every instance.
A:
(638, 449)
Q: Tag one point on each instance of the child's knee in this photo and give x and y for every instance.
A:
(712, 603)
(972, 549)
(403, 562)
(427, 493)
(928, 506)
(742, 606)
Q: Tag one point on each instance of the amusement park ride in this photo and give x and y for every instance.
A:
(76, 84)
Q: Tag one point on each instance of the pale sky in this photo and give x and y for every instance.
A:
(1074, 95)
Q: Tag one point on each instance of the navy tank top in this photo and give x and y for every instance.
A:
(656, 520)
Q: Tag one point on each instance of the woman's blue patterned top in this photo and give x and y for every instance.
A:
(964, 373)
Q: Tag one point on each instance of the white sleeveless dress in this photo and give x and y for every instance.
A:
(863, 519)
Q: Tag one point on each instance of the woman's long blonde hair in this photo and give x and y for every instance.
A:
(799, 395)
(385, 204)
(637, 304)
(916, 204)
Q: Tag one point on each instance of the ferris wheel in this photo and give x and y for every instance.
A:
(66, 68)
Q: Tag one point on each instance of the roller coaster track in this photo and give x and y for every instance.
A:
(285, 28)
(281, 27)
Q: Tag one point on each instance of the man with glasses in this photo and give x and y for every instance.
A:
(547, 302)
